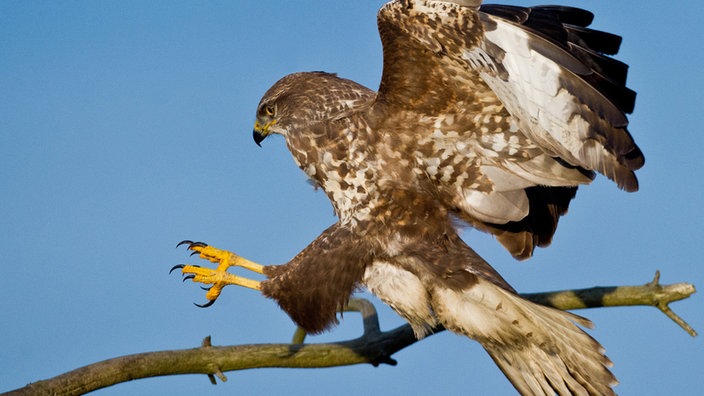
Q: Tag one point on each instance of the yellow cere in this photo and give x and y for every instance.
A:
(263, 129)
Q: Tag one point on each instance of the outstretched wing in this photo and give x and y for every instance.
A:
(512, 108)
(553, 75)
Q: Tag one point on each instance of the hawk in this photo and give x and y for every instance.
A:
(486, 115)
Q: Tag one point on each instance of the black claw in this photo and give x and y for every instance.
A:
(193, 253)
(180, 266)
(206, 288)
(184, 242)
(188, 277)
(206, 305)
(197, 244)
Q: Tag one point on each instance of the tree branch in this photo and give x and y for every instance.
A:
(373, 347)
(652, 294)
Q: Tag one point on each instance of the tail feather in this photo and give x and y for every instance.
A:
(541, 350)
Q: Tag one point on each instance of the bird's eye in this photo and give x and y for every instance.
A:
(268, 110)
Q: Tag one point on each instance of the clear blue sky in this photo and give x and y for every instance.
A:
(125, 127)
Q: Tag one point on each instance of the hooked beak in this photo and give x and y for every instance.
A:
(258, 137)
(261, 131)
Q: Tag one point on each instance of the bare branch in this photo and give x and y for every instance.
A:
(373, 347)
(652, 294)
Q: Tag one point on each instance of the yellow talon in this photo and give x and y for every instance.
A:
(225, 258)
(219, 277)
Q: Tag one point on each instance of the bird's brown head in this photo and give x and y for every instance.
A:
(301, 99)
(266, 122)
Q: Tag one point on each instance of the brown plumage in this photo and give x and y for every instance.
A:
(489, 116)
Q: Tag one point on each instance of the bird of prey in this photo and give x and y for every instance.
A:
(486, 115)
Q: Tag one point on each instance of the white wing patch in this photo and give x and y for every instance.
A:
(542, 95)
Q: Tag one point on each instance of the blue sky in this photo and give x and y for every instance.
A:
(126, 127)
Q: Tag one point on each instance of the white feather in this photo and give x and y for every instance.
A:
(403, 292)
(497, 207)
(535, 90)
(540, 349)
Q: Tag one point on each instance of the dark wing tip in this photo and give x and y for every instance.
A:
(566, 27)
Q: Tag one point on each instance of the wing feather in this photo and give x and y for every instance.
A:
(540, 349)
(530, 92)
(562, 95)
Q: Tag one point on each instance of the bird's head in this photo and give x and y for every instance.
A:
(266, 122)
(299, 100)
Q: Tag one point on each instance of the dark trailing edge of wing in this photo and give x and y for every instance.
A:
(567, 28)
